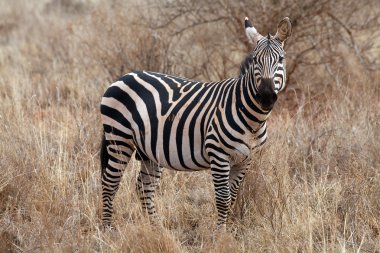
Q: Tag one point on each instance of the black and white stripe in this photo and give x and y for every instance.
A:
(187, 125)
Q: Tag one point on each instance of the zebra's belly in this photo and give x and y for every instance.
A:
(174, 143)
(182, 160)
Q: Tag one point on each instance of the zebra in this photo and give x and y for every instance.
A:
(185, 125)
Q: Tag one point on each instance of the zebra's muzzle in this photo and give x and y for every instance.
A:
(266, 95)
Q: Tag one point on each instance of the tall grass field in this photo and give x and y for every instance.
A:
(314, 187)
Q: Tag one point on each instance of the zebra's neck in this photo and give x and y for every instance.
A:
(248, 111)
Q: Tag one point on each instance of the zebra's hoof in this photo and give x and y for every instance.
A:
(107, 227)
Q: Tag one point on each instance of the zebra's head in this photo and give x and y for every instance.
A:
(268, 62)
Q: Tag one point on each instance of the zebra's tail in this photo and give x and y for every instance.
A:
(103, 154)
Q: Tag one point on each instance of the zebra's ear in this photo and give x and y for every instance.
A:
(284, 30)
(251, 32)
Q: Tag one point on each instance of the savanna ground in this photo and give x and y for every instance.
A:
(314, 188)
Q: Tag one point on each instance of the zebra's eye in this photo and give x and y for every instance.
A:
(280, 59)
(254, 59)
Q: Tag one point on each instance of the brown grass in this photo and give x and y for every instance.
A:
(314, 188)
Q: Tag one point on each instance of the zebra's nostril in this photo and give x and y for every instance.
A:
(266, 99)
(258, 97)
(274, 97)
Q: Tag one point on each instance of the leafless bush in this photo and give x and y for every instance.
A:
(66, 6)
(324, 32)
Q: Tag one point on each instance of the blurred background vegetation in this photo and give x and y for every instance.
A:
(315, 188)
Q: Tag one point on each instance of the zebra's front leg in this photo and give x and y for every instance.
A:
(236, 178)
(147, 181)
(220, 172)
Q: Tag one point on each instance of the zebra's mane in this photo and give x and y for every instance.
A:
(245, 64)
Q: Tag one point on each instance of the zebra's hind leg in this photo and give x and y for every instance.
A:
(115, 154)
(147, 181)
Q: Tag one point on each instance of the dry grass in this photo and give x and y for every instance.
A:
(315, 187)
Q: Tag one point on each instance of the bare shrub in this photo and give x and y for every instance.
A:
(320, 29)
